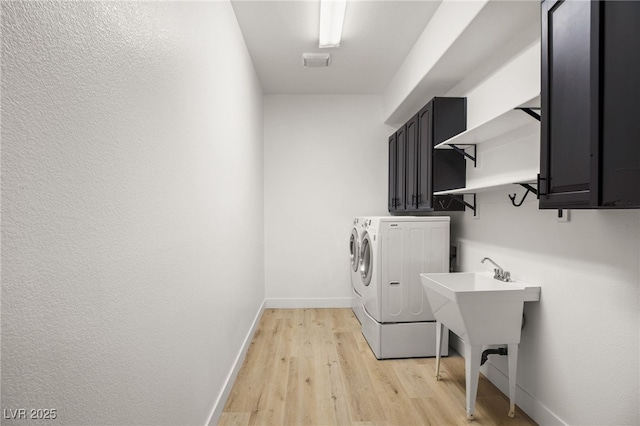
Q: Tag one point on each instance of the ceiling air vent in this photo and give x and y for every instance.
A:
(316, 60)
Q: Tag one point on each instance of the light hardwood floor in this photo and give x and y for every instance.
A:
(314, 367)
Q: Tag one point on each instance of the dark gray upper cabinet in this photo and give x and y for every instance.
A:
(397, 170)
(393, 154)
(424, 183)
(414, 162)
(590, 118)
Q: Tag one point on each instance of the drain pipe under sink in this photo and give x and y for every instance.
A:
(499, 351)
(487, 352)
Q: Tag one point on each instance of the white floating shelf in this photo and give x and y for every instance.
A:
(489, 184)
(504, 123)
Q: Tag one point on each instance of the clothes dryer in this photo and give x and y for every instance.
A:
(398, 322)
(357, 287)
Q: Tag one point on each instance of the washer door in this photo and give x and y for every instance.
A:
(366, 268)
(354, 250)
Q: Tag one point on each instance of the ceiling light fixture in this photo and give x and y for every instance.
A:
(331, 20)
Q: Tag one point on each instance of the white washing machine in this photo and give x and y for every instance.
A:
(394, 251)
(357, 287)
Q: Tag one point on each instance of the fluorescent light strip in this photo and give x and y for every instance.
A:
(331, 20)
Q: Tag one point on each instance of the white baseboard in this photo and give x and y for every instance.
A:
(527, 403)
(218, 407)
(291, 303)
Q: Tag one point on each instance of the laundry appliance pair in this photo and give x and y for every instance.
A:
(388, 254)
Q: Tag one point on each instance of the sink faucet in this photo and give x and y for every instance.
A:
(498, 272)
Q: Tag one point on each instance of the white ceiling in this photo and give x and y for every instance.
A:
(376, 38)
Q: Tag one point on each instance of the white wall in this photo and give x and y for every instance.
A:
(325, 163)
(132, 167)
(578, 359)
(579, 355)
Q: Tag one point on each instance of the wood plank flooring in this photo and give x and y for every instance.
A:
(314, 367)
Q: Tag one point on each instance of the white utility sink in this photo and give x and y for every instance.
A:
(481, 310)
(478, 308)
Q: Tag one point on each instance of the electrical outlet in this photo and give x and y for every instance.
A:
(562, 216)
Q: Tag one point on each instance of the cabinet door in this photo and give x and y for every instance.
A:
(401, 153)
(449, 172)
(569, 117)
(449, 167)
(620, 162)
(412, 163)
(393, 147)
(425, 155)
(449, 118)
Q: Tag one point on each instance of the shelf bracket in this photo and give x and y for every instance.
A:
(526, 186)
(531, 112)
(460, 199)
(465, 153)
(441, 202)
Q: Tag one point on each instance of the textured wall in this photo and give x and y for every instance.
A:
(325, 163)
(132, 223)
